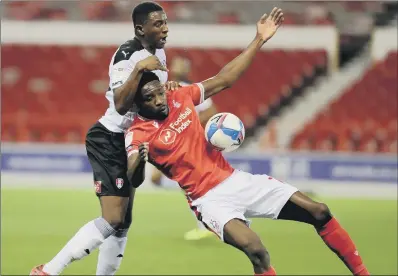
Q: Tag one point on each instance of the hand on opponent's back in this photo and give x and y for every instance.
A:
(172, 85)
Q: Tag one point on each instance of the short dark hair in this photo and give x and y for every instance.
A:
(141, 11)
(145, 78)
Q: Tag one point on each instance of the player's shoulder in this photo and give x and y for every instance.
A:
(172, 94)
(182, 92)
(136, 121)
(160, 53)
(188, 86)
(137, 129)
(127, 49)
(141, 124)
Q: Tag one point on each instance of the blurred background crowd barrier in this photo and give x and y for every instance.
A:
(319, 102)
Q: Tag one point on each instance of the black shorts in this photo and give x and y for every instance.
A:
(107, 155)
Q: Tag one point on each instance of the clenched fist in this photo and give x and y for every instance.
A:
(151, 63)
(143, 151)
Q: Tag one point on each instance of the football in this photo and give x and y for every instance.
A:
(225, 132)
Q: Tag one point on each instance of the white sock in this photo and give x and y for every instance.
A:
(87, 239)
(111, 254)
(198, 222)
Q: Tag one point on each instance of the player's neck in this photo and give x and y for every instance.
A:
(146, 45)
(150, 117)
(142, 117)
(147, 118)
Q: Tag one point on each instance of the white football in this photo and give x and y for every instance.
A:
(225, 132)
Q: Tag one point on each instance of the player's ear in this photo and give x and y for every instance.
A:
(139, 29)
(135, 108)
(137, 105)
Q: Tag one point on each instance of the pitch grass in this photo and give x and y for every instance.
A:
(37, 223)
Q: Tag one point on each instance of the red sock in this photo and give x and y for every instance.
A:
(340, 243)
(270, 271)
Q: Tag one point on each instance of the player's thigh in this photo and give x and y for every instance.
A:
(118, 210)
(108, 159)
(238, 234)
(269, 196)
(216, 214)
(114, 209)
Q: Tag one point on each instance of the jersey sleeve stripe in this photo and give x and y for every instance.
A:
(131, 152)
(202, 92)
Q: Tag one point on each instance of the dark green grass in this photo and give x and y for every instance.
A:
(37, 223)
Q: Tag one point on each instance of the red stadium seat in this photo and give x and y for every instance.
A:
(70, 82)
(101, 10)
(370, 104)
(229, 18)
(24, 10)
(176, 11)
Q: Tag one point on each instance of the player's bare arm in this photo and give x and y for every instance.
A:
(124, 95)
(136, 165)
(266, 28)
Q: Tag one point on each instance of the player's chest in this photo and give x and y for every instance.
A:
(176, 132)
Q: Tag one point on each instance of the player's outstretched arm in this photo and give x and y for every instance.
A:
(136, 165)
(266, 28)
(123, 96)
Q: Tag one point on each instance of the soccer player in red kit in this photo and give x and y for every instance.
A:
(167, 133)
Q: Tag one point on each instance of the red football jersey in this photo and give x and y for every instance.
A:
(177, 145)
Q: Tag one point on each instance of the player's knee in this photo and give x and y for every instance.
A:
(121, 232)
(127, 221)
(114, 210)
(124, 227)
(321, 213)
(257, 254)
(115, 220)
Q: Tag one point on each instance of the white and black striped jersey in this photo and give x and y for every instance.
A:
(120, 68)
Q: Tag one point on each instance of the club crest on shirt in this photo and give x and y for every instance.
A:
(167, 136)
(176, 104)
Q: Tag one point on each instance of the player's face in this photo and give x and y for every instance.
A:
(155, 29)
(153, 103)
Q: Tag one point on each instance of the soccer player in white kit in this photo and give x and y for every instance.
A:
(106, 149)
(167, 133)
